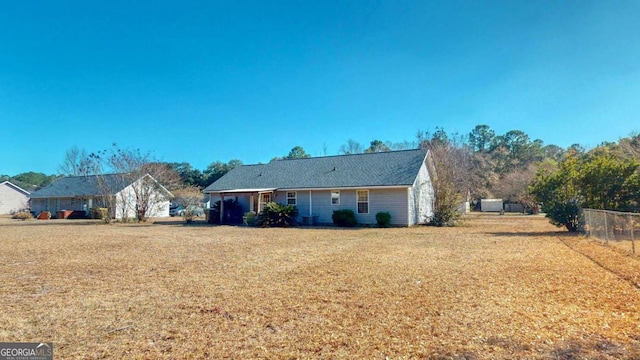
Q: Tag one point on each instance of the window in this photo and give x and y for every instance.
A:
(335, 197)
(363, 201)
(291, 198)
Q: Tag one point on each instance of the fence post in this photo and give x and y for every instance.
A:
(590, 223)
(633, 244)
(606, 229)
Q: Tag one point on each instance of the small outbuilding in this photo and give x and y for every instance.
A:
(491, 205)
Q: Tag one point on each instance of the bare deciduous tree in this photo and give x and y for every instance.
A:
(452, 165)
(76, 163)
(445, 173)
(191, 199)
(514, 186)
(140, 174)
(351, 147)
(403, 145)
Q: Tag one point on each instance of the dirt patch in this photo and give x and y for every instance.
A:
(496, 287)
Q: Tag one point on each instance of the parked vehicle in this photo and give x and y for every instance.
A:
(180, 210)
(173, 210)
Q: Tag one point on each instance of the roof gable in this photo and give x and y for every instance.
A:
(393, 168)
(15, 187)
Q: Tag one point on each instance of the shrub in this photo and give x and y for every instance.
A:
(383, 219)
(445, 206)
(98, 213)
(249, 218)
(444, 217)
(22, 215)
(567, 213)
(344, 217)
(278, 215)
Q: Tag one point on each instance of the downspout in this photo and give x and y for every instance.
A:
(310, 204)
(221, 208)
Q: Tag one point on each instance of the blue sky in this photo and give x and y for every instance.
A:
(201, 81)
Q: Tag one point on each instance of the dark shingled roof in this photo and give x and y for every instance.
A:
(393, 168)
(81, 186)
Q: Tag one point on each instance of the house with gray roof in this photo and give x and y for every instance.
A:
(397, 182)
(13, 198)
(81, 193)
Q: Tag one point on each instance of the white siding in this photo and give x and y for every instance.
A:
(324, 209)
(421, 196)
(392, 200)
(12, 200)
(126, 204)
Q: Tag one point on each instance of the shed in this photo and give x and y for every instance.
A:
(491, 205)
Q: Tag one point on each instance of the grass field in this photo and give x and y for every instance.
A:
(496, 287)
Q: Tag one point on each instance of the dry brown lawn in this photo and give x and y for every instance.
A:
(496, 287)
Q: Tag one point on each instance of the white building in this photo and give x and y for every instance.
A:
(12, 198)
(81, 193)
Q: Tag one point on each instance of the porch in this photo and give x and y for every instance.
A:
(228, 207)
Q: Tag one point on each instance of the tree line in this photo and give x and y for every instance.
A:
(479, 164)
(605, 178)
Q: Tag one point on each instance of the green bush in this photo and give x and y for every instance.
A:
(444, 217)
(567, 213)
(278, 215)
(383, 219)
(22, 215)
(344, 217)
(249, 218)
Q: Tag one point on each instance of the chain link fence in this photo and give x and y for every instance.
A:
(616, 228)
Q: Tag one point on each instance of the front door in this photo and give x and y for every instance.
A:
(264, 198)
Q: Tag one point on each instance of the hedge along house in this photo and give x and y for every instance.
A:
(397, 182)
(13, 198)
(81, 193)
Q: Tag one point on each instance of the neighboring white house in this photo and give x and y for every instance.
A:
(397, 182)
(81, 193)
(12, 198)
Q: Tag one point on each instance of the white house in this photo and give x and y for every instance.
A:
(81, 193)
(12, 198)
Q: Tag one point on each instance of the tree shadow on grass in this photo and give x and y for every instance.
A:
(591, 348)
(588, 347)
(561, 233)
(182, 223)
